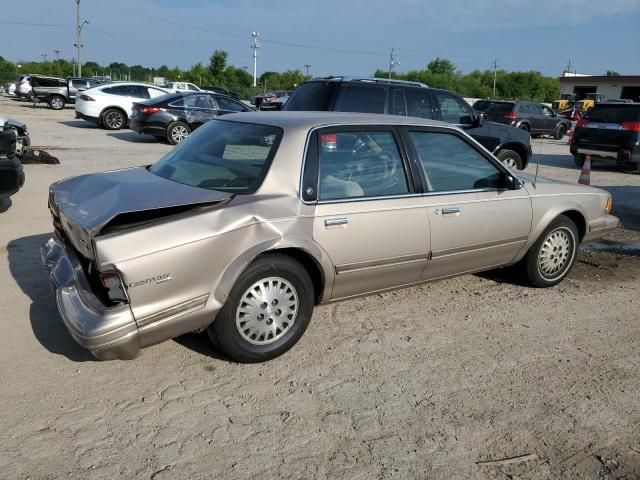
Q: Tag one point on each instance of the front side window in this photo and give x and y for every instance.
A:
(227, 156)
(361, 98)
(547, 112)
(360, 164)
(451, 164)
(452, 109)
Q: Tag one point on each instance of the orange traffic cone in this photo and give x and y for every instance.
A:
(585, 174)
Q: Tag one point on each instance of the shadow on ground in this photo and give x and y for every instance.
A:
(78, 124)
(134, 137)
(26, 268)
(626, 205)
(201, 344)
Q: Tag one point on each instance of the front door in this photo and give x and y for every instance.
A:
(476, 221)
(368, 218)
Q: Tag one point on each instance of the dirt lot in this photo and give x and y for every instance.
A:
(476, 377)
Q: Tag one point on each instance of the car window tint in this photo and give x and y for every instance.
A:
(191, 86)
(230, 105)
(312, 96)
(535, 109)
(418, 103)
(203, 101)
(79, 83)
(154, 92)
(398, 104)
(452, 109)
(500, 107)
(360, 164)
(547, 112)
(361, 98)
(227, 156)
(614, 113)
(451, 164)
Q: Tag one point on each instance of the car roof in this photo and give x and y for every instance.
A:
(308, 120)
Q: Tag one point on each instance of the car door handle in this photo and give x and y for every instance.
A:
(451, 211)
(332, 222)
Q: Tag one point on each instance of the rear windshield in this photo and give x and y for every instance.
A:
(312, 97)
(500, 107)
(227, 156)
(482, 105)
(614, 113)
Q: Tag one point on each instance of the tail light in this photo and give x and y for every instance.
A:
(115, 288)
(87, 98)
(511, 115)
(632, 126)
(582, 122)
(329, 141)
(148, 110)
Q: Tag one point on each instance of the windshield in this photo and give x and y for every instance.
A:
(617, 113)
(221, 155)
(312, 96)
(482, 105)
(500, 107)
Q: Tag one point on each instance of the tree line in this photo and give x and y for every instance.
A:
(439, 73)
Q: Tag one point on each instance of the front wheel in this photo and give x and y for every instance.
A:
(550, 259)
(510, 159)
(266, 312)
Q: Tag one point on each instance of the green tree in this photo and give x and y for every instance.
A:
(441, 66)
(612, 73)
(217, 64)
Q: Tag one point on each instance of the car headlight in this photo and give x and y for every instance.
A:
(609, 205)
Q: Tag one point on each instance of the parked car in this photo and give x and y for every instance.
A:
(376, 95)
(257, 217)
(258, 100)
(20, 132)
(609, 132)
(276, 104)
(57, 92)
(23, 87)
(110, 105)
(174, 116)
(481, 106)
(10, 88)
(11, 170)
(535, 118)
(174, 87)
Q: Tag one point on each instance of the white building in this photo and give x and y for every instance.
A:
(621, 86)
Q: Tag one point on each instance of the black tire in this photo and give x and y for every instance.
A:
(562, 234)
(178, 132)
(560, 132)
(510, 158)
(113, 119)
(247, 347)
(579, 159)
(56, 102)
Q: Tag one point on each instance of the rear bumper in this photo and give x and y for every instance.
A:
(11, 176)
(148, 128)
(107, 332)
(88, 118)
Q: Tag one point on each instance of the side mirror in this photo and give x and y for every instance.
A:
(509, 182)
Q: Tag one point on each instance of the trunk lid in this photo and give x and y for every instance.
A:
(84, 206)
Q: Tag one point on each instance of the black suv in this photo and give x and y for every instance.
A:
(611, 132)
(535, 118)
(375, 95)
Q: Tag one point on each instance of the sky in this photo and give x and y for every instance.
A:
(335, 37)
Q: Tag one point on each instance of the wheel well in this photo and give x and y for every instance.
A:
(311, 266)
(577, 218)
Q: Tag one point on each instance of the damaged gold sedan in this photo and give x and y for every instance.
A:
(258, 217)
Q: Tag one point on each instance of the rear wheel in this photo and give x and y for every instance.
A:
(266, 312)
(56, 102)
(510, 159)
(560, 132)
(178, 132)
(550, 259)
(113, 119)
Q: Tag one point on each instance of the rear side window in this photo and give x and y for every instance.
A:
(361, 98)
(614, 113)
(418, 103)
(230, 105)
(360, 164)
(312, 97)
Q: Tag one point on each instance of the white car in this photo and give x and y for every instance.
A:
(175, 87)
(10, 89)
(23, 86)
(110, 105)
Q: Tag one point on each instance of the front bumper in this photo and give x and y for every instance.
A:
(600, 228)
(107, 332)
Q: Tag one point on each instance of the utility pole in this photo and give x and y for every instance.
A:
(255, 45)
(392, 63)
(307, 66)
(495, 73)
(57, 52)
(78, 45)
(568, 69)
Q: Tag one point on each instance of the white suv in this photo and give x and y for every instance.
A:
(23, 86)
(175, 87)
(110, 105)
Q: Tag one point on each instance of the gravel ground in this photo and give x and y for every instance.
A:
(475, 377)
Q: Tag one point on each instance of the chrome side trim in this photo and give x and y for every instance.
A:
(176, 311)
(477, 246)
(385, 262)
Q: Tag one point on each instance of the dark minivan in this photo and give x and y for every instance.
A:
(609, 132)
(376, 95)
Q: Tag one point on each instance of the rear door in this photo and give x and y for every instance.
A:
(476, 223)
(368, 218)
(536, 118)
